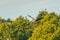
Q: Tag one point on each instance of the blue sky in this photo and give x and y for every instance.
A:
(14, 8)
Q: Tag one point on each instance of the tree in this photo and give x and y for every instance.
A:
(47, 30)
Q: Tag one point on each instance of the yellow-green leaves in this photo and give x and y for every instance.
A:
(45, 27)
(47, 30)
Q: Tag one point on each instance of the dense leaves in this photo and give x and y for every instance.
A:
(19, 29)
(45, 27)
(48, 29)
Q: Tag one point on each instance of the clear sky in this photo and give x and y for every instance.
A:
(14, 8)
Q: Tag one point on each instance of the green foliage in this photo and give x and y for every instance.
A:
(49, 28)
(46, 27)
(19, 29)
